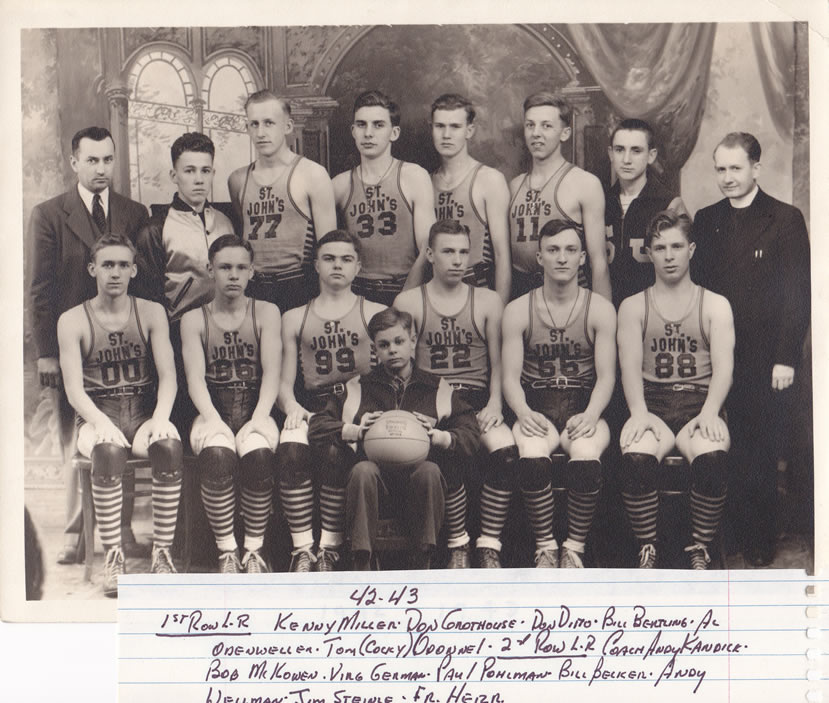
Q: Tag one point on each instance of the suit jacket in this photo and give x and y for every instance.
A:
(61, 234)
(765, 274)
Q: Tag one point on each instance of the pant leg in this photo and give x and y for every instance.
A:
(424, 503)
(68, 438)
(362, 505)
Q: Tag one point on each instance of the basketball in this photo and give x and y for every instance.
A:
(396, 440)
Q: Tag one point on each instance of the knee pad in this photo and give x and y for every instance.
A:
(583, 476)
(534, 474)
(709, 475)
(640, 473)
(256, 470)
(217, 466)
(501, 468)
(293, 462)
(166, 460)
(108, 463)
(334, 464)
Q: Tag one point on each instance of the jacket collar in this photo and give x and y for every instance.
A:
(380, 375)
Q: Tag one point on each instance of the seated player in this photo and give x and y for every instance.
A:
(676, 350)
(231, 350)
(324, 344)
(559, 371)
(417, 493)
(112, 348)
(459, 339)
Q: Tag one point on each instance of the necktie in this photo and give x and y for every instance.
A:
(98, 214)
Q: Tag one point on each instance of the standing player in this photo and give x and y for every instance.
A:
(231, 351)
(559, 370)
(112, 348)
(458, 338)
(630, 204)
(281, 200)
(324, 344)
(472, 193)
(676, 346)
(386, 202)
(553, 189)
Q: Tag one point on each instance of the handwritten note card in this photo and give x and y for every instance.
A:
(468, 637)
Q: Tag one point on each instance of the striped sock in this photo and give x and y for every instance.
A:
(539, 506)
(706, 512)
(298, 506)
(166, 498)
(581, 507)
(455, 517)
(256, 508)
(642, 512)
(494, 509)
(107, 500)
(220, 506)
(332, 512)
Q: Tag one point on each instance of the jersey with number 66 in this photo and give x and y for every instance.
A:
(232, 356)
(675, 351)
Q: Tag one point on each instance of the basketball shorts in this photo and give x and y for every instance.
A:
(676, 404)
(558, 404)
(235, 403)
(314, 401)
(285, 290)
(379, 290)
(127, 412)
(477, 398)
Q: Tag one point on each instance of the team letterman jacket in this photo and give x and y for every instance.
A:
(425, 393)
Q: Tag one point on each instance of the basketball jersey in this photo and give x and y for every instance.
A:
(117, 359)
(675, 351)
(553, 352)
(282, 236)
(529, 211)
(383, 219)
(452, 346)
(333, 351)
(457, 204)
(232, 356)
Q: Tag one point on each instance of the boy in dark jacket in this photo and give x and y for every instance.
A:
(424, 492)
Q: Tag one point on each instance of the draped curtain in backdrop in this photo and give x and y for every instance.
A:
(774, 46)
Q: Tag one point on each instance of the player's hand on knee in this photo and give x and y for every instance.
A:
(636, 427)
(491, 415)
(161, 428)
(533, 424)
(710, 426)
(581, 425)
(295, 415)
(425, 421)
(214, 428)
(263, 425)
(107, 432)
(48, 368)
(782, 377)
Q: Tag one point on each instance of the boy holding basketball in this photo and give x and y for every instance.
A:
(417, 492)
(559, 356)
(459, 338)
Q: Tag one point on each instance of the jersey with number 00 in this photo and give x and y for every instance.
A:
(457, 204)
(675, 351)
(553, 352)
(383, 219)
(117, 358)
(232, 356)
(529, 211)
(333, 351)
(451, 345)
(282, 236)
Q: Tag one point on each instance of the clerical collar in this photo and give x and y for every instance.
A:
(88, 196)
(745, 200)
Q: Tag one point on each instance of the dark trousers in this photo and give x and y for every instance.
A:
(417, 495)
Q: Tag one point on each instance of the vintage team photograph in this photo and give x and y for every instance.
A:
(358, 298)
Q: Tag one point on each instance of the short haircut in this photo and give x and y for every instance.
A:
(96, 134)
(112, 239)
(747, 141)
(446, 227)
(263, 96)
(225, 242)
(388, 318)
(338, 235)
(553, 227)
(453, 101)
(565, 111)
(668, 219)
(374, 98)
(634, 125)
(192, 141)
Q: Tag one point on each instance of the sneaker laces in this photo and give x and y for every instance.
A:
(325, 553)
(226, 561)
(162, 562)
(308, 551)
(647, 555)
(552, 554)
(253, 555)
(697, 547)
(572, 556)
(113, 558)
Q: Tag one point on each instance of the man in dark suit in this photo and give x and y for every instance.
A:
(61, 234)
(754, 250)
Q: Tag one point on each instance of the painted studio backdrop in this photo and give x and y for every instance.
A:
(693, 82)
